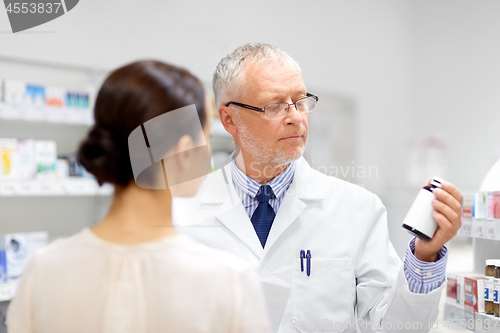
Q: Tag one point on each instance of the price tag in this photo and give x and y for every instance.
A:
(479, 228)
(496, 224)
(73, 187)
(88, 117)
(490, 229)
(25, 188)
(7, 291)
(80, 187)
(55, 115)
(7, 189)
(9, 112)
(33, 114)
(465, 229)
(50, 188)
(76, 116)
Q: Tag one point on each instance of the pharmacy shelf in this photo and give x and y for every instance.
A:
(47, 114)
(480, 228)
(72, 186)
(455, 316)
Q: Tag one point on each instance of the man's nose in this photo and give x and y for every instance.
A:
(293, 115)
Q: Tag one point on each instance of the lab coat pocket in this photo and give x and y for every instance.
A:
(323, 301)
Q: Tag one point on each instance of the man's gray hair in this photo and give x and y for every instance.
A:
(229, 77)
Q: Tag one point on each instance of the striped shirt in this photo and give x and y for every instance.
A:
(423, 277)
(247, 188)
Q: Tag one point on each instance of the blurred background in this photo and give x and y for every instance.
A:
(407, 90)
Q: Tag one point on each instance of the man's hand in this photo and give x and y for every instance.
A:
(448, 215)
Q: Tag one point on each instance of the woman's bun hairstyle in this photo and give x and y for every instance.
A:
(99, 155)
(130, 96)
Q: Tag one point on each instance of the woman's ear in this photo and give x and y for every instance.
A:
(183, 152)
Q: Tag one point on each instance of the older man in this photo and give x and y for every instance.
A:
(319, 244)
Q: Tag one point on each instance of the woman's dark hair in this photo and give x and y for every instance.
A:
(130, 96)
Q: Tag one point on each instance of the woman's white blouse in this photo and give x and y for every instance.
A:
(174, 284)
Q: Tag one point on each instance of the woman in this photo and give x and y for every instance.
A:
(133, 272)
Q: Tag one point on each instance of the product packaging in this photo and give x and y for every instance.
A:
(419, 221)
(494, 208)
(54, 97)
(25, 159)
(8, 149)
(483, 204)
(14, 92)
(75, 169)
(62, 168)
(46, 159)
(473, 300)
(35, 95)
(452, 289)
(469, 206)
(17, 249)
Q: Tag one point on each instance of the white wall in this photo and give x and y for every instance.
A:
(361, 49)
(457, 83)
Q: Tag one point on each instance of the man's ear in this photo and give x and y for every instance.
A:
(228, 119)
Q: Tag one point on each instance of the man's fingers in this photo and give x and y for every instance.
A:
(453, 190)
(444, 224)
(446, 210)
(447, 198)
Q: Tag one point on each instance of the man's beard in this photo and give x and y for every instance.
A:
(274, 157)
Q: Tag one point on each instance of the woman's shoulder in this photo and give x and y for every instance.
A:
(64, 247)
(206, 256)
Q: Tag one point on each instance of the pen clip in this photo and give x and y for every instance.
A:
(302, 256)
(308, 256)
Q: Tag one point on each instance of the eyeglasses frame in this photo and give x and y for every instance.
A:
(255, 108)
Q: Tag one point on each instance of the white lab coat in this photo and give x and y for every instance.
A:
(353, 261)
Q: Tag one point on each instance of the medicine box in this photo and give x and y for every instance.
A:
(452, 289)
(473, 299)
(15, 251)
(7, 158)
(469, 206)
(494, 209)
(14, 92)
(474, 293)
(455, 289)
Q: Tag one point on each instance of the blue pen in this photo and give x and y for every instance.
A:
(302, 256)
(308, 256)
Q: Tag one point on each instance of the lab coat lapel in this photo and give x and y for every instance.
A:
(236, 220)
(231, 213)
(302, 191)
(291, 207)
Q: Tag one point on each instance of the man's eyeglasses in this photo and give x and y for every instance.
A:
(280, 110)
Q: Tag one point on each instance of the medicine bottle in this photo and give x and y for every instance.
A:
(496, 286)
(419, 221)
(489, 276)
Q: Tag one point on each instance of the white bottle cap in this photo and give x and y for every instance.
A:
(491, 262)
(436, 181)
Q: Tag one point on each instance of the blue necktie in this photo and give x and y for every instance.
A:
(263, 217)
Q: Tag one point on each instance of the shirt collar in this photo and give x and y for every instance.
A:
(249, 186)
